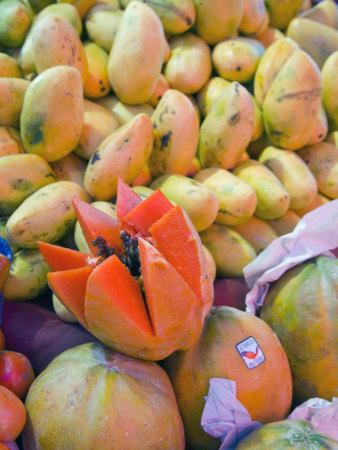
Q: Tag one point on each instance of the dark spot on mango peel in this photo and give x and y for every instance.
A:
(235, 118)
(165, 139)
(95, 157)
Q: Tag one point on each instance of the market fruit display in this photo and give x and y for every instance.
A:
(301, 308)
(107, 398)
(260, 369)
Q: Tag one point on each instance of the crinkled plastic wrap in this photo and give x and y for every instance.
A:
(315, 234)
(224, 416)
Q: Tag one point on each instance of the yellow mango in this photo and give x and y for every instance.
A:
(56, 43)
(189, 65)
(98, 124)
(53, 113)
(102, 25)
(231, 252)
(197, 199)
(176, 129)
(46, 215)
(97, 83)
(285, 224)
(10, 141)
(318, 40)
(161, 87)
(330, 90)
(177, 16)
(318, 201)
(122, 154)
(20, 176)
(269, 36)
(9, 67)
(62, 312)
(293, 173)
(195, 167)
(15, 20)
(273, 200)
(38, 5)
(124, 113)
(28, 276)
(321, 127)
(227, 129)
(210, 92)
(70, 168)
(83, 6)
(142, 191)
(12, 92)
(282, 11)
(326, 12)
(216, 19)
(254, 15)
(270, 65)
(322, 160)
(133, 70)
(292, 104)
(257, 232)
(236, 59)
(144, 178)
(236, 199)
(210, 261)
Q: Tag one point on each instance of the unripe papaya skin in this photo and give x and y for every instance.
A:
(47, 215)
(12, 92)
(330, 89)
(292, 104)
(272, 198)
(227, 129)
(282, 11)
(176, 129)
(53, 104)
(293, 173)
(139, 24)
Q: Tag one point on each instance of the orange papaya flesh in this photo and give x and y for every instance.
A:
(126, 199)
(5, 266)
(138, 221)
(96, 223)
(70, 288)
(61, 258)
(177, 240)
(169, 298)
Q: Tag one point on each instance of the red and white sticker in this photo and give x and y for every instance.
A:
(250, 352)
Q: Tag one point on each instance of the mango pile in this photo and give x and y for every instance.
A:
(230, 108)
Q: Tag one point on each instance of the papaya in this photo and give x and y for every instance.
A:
(270, 36)
(151, 258)
(62, 312)
(240, 347)
(210, 92)
(318, 201)
(254, 17)
(12, 92)
(324, 12)
(321, 127)
(286, 223)
(70, 168)
(143, 191)
(301, 309)
(101, 26)
(161, 87)
(330, 91)
(10, 141)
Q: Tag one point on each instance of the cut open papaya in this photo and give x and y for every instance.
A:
(146, 288)
(126, 200)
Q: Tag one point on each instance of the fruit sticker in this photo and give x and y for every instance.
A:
(250, 352)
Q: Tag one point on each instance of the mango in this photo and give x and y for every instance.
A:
(70, 168)
(318, 201)
(332, 138)
(10, 141)
(65, 10)
(9, 67)
(217, 20)
(325, 12)
(28, 276)
(210, 92)
(62, 312)
(12, 92)
(46, 215)
(98, 124)
(281, 12)
(293, 173)
(144, 178)
(97, 83)
(83, 6)
(53, 113)
(197, 199)
(143, 191)
(330, 90)
(254, 15)
(285, 224)
(273, 200)
(231, 252)
(161, 87)
(56, 43)
(257, 232)
(189, 65)
(237, 59)
(318, 40)
(20, 176)
(270, 65)
(237, 200)
(176, 130)
(195, 167)
(122, 154)
(139, 24)
(321, 127)
(292, 104)
(122, 112)
(38, 5)
(227, 129)
(210, 261)
(270, 36)
(102, 25)
(15, 20)
(322, 160)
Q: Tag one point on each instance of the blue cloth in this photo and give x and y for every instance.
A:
(5, 250)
